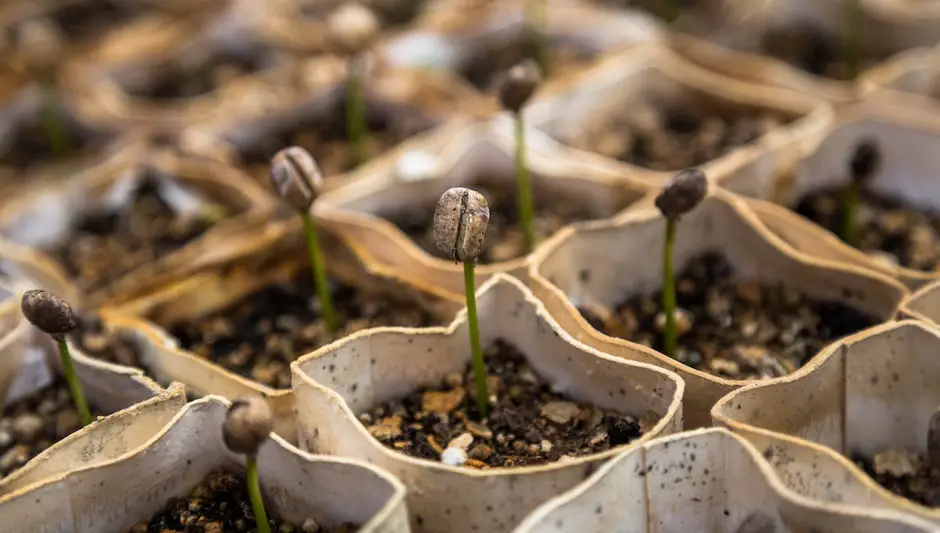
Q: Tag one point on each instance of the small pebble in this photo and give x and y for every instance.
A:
(454, 457)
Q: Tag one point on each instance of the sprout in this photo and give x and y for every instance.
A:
(460, 222)
(863, 165)
(852, 20)
(42, 43)
(247, 426)
(535, 14)
(54, 317)
(517, 87)
(297, 179)
(669, 10)
(679, 196)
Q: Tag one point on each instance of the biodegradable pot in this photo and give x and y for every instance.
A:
(115, 495)
(911, 78)
(652, 76)
(604, 263)
(869, 392)
(908, 162)
(722, 482)
(416, 174)
(924, 305)
(41, 216)
(334, 383)
(254, 263)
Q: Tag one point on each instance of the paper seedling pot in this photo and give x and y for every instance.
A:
(924, 304)
(865, 394)
(416, 174)
(333, 384)
(256, 261)
(652, 76)
(706, 480)
(905, 137)
(41, 216)
(115, 495)
(604, 263)
(911, 78)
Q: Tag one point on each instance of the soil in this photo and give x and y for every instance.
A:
(96, 339)
(260, 335)
(889, 230)
(105, 244)
(220, 504)
(35, 423)
(30, 147)
(814, 51)
(673, 139)
(529, 424)
(326, 139)
(736, 329)
(906, 474)
(177, 81)
(504, 239)
(484, 70)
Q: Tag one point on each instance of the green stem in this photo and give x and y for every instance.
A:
(850, 39)
(848, 228)
(52, 122)
(78, 396)
(669, 10)
(319, 273)
(669, 290)
(523, 182)
(479, 367)
(254, 493)
(535, 25)
(355, 114)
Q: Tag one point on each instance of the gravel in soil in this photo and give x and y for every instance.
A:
(906, 474)
(484, 70)
(529, 423)
(673, 139)
(890, 231)
(103, 244)
(259, 336)
(220, 504)
(35, 423)
(813, 51)
(736, 329)
(504, 239)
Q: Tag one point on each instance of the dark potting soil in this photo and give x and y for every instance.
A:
(35, 423)
(673, 139)
(814, 51)
(31, 146)
(96, 339)
(732, 328)
(176, 81)
(259, 336)
(908, 235)
(906, 474)
(484, 70)
(529, 424)
(104, 244)
(87, 20)
(220, 504)
(504, 239)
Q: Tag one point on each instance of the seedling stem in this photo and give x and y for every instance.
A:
(536, 15)
(848, 228)
(78, 396)
(52, 123)
(319, 273)
(254, 493)
(355, 113)
(850, 39)
(479, 367)
(669, 290)
(524, 184)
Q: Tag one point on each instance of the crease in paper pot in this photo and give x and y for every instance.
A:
(588, 266)
(864, 394)
(335, 382)
(924, 305)
(469, 155)
(705, 480)
(906, 138)
(114, 495)
(653, 76)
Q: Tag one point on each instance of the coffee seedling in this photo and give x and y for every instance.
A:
(54, 317)
(679, 196)
(851, 29)
(247, 426)
(536, 15)
(517, 87)
(669, 10)
(460, 222)
(297, 179)
(41, 41)
(862, 167)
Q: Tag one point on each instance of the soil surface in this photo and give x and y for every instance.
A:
(104, 244)
(529, 424)
(85, 21)
(220, 504)
(906, 474)
(733, 328)
(672, 139)
(504, 239)
(31, 146)
(259, 336)
(484, 70)
(889, 230)
(96, 339)
(814, 51)
(35, 423)
(175, 80)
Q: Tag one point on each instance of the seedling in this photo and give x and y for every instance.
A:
(460, 222)
(247, 426)
(679, 196)
(354, 26)
(862, 167)
(933, 440)
(536, 16)
(852, 21)
(54, 317)
(669, 10)
(517, 87)
(298, 180)
(41, 42)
